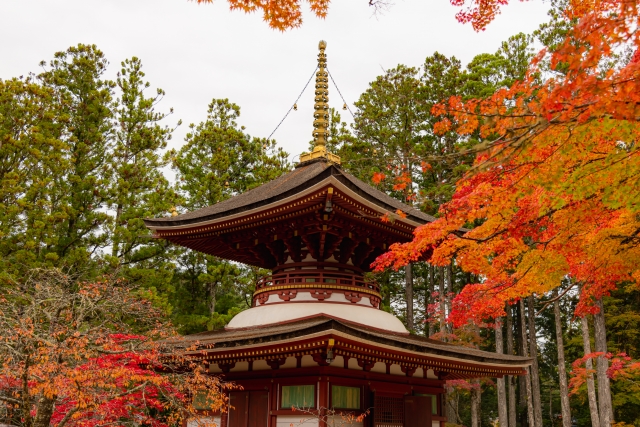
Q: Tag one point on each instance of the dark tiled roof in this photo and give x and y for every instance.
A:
(229, 338)
(288, 185)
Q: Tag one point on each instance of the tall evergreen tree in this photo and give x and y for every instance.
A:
(219, 160)
(80, 193)
(31, 160)
(139, 188)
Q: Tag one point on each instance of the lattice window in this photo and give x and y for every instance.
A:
(388, 411)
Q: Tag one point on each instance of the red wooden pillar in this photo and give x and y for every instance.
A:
(442, 408)
(273, 405)
(323, 399)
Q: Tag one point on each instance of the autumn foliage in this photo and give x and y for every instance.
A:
(280, 15)
(87, 354)
(622, 367)
(554, 192)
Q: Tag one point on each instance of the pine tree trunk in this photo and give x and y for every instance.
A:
(432, 284)
(115, 246)
(476, 400)
(551, 420)
(443, 307)
(44, 412)
(591, 386)
(408, 292)
(562, 370)
(602, 364)
(212, 298)
(449, 293)
(522, 382)
(452, 405)
(527, 376)
(535, 371)
(511, 378)
(502, 392)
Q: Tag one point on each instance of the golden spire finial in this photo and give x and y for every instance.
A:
(321, 106)
(321, 111)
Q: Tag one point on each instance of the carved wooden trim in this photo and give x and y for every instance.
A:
(354, 297)
(320, 359)
(276, 363)
(226, 367)
(287, 295)
(321, 295)
(408, 370)
(374, 300)
(366, 365)
(263, 298)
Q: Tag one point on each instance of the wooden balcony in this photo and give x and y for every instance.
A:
(317, 279)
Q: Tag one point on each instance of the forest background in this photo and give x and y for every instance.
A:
(83, 160)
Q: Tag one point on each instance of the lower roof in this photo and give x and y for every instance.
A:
(464, 361)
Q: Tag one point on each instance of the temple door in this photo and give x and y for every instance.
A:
(258, 409)
(249, 409)
(417, 411)
(238, 409)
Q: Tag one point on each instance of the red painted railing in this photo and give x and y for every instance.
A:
(316, 278)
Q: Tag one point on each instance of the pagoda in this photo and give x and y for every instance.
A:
(315, 336)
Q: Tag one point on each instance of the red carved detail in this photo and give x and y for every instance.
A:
(408, 370)
(366, 365)
(321, 295)
(287, 295)
(375, 301)
(320, 359)
(276, 363)
(226, 367)
(353, 296)
(263, 297)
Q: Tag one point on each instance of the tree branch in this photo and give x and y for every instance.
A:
(67, 417)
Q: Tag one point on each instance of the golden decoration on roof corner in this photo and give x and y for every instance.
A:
(321, 113)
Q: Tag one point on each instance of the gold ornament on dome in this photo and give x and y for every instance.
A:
(321, 112)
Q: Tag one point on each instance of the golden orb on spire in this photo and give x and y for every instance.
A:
(321, 112)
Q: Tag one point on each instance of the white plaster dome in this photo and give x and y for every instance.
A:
(280, 313)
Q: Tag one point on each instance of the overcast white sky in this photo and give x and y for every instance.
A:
(200, 52)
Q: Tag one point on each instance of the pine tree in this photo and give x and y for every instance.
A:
(80, 191)
(138, 187)
(219, 160)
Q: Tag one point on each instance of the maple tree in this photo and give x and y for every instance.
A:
(553, 192)
(287, 14)
(86, 354)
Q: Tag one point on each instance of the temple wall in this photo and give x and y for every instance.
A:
(205, 420)
(296, 421)
(308, 361)
(309, 421)
(240, 367)
(338, 421)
